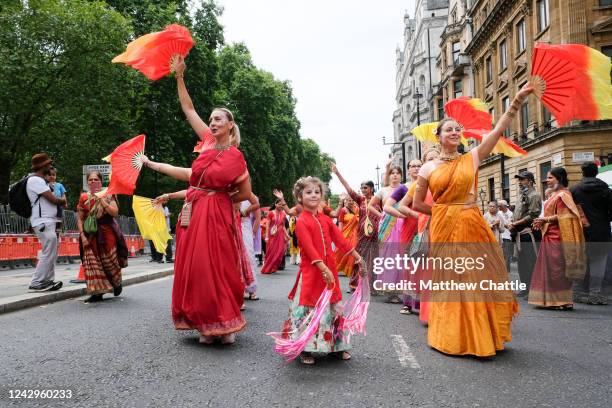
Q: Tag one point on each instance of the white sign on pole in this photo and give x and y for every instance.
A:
(104, 169)
(579, 157)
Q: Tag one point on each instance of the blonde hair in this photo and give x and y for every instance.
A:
(302, 182)
(431, 149)
(234, 133)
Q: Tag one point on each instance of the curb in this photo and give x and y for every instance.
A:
(14, 303)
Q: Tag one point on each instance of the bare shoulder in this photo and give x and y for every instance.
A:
(428, 167)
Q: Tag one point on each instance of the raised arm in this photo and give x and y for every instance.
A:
(178, 173)
(345, 183)
(489, 141)
(198, 125)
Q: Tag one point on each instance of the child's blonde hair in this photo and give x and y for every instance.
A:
(302, 182)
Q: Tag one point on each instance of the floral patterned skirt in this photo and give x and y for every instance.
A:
(328, 338)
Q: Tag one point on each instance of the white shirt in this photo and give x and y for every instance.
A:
(44, 211)
(507, 216)
(167, 214)
(502, 226)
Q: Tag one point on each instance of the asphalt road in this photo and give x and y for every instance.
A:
(124, 352)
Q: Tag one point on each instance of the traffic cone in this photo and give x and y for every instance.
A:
(133, 252)
(80, 277)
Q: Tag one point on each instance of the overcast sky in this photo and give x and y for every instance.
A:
(340, 58)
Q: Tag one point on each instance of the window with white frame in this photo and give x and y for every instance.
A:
(543, 16)
(503, 55)
(520, 36)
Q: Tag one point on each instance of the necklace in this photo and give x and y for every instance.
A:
(222, 147)
(449, 156)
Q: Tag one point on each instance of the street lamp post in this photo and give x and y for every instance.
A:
(403, 143)
(377, 177)
(417, 96)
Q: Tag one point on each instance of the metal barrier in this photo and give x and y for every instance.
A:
(19, 246)
(11, 223)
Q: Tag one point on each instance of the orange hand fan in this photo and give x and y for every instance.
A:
(151, 53)
(572, 81)
(125, 160)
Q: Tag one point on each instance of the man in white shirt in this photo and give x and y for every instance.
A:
(43, 219)
(506, 237)
(495, 220)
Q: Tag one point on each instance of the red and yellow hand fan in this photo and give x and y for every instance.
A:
(126, 163)
(151, 53)
(572, 81)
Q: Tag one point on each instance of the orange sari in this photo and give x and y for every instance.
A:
(470, 321)
(350, 222)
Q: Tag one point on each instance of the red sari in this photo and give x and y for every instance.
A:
(106, 253)
(276, 245)
(208, 279)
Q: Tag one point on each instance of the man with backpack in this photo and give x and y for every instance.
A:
(31, 197)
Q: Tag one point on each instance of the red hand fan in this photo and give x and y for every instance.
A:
(151, 53)
(554, 78)
(471, 113)
(125, 160)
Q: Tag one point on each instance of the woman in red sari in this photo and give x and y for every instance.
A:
(561, 256)
(276, 240)
(208, 280)
(104, 251)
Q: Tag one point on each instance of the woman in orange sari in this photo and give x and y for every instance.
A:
(562, 253)
(465, 320)
(348, 217)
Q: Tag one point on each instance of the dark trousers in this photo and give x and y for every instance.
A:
(157, 256)
(527, 257)
(508, 248)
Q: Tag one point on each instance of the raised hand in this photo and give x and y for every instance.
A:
(333, 168)
(278, 194)
(177, 65)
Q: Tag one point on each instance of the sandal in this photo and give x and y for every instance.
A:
(406, 310)
(252, 296)
(307, 358)
(228, 339)
(94, 298)
(206, 339)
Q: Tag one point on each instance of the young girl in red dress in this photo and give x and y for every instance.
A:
(316, 232)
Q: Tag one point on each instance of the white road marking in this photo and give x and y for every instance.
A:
(404, 354)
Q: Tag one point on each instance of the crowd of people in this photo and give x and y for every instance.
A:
(224, 240)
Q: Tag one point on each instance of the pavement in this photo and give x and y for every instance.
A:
(14, 283)
(124, 352)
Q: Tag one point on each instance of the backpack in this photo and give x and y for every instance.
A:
(19, 200)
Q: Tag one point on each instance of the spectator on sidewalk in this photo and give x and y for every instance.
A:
(526, 239)
(169, 247)
(495, 220)
(59, 191)
(44, 212)
(506, 237)
(595, 198)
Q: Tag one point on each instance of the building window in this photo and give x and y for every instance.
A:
(440, 108)
(456, 49)
(605, 2)
(524, 117)
(520, 36)
(491, 189)
(543, 16)
(547, 118)
(607, 49)
(506, 188)
(457, 88)
(489, 69)
(505, 106)
(503, 55)
(492, 113)
(544, 169)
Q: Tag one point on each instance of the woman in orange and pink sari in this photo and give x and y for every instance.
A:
(472, 305)
(561, 258)
(348, 216)
(417, 299)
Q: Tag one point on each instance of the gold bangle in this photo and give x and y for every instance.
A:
(511, 114)
(167, 197)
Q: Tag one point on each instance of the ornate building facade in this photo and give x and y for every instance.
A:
(503, 34)
(416, 73)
